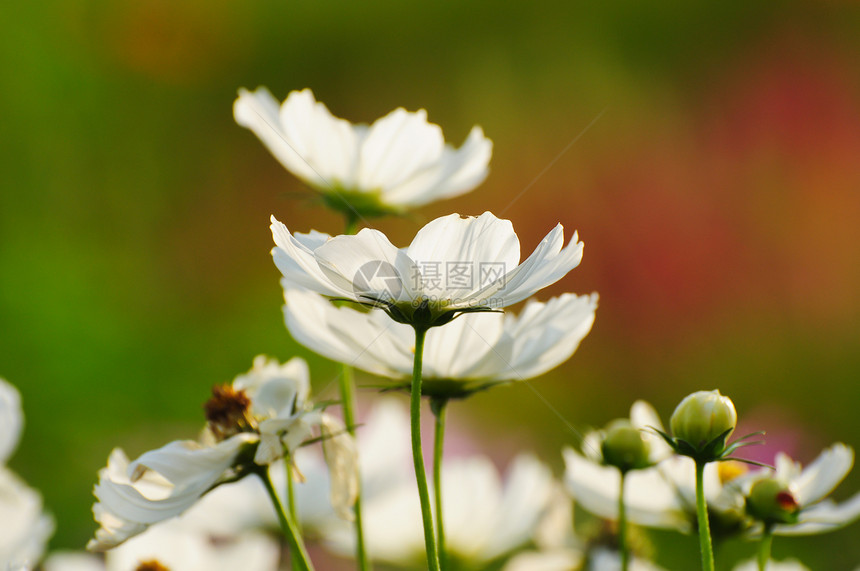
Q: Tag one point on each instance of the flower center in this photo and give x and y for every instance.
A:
(786, 501)
(228, 411)
(151, 565)
(728, 471)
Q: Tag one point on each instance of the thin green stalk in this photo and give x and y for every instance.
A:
(417, 454)
(291, 505)
(764, 548)
(623, 548)
(347, 393)
(440, 409)
(294, 538)
(702, 516)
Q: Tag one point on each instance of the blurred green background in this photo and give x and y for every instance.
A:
(716, 193)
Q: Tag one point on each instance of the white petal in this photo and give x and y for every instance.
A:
(543, 336)
(823, 517)
(645, 418)
(11, 420)
(72, 561)
(367, 266)
(555, 560)
(342, 460)
(276, 390)
(546, 265)
(325, 144)
(160, 484)
(821, 477)
(398, 147)
(650, 500)
(24, 526)
(468, 253)
(370, 341)
(785, 565)
(455, 350)
(294, 257)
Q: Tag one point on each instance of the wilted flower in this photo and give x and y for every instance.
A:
(399, 162)
(366, 268)
(470, 353)
(253, 422)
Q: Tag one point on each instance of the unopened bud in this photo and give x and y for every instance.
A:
(702, 417)
(772, 502)
(624, 447)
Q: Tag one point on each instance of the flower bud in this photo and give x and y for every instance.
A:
(702, 417)
(772, 502)
(624, 447)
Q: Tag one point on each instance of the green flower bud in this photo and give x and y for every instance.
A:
(702, 417)
(772, 502)
(624, 447)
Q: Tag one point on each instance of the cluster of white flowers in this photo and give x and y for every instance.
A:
(429, 318)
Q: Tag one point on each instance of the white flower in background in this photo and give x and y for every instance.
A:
(399, 162)
(24, 526)
(485, 517)
(205, 538)
(808, 488)
(474, 350)
(786, 565)
(651, 500)
(453, 265)
(264, 412)
(11, 420)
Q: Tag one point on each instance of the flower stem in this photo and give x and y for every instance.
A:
(291, 505)
(623, 548)
(294, 538)
(347, 393)
(764, 548)
(417, 454)
(440, 409)
(702, 515)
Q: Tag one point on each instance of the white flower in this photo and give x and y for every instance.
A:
(474, 349)
(786, 565)
(810, 487)
(650, 500)
(159, 485)
(203, 539)
(400, 161)
(24, 526)
(11, 420)
(265, 411)
(453, 265)
(485, 517)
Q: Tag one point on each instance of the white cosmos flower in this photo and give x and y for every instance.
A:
(810, 487)
(399, 162)
(474, 350)
(486, 516)
(265, 411)
(453, 265)
(24, 526)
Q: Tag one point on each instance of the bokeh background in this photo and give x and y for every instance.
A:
(708, 155)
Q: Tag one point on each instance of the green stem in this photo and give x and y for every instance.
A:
(351, 223)
(622, 526)
(764, 548)
(294, 538)
(440, 409)
(291, 506)
(702, 516)
(417, 454)
(347, 393)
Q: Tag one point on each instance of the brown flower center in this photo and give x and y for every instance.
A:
(786, 501)
(151, 565)
(227, 411)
